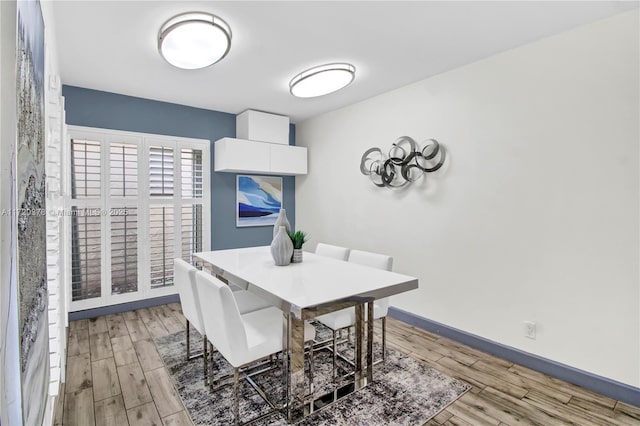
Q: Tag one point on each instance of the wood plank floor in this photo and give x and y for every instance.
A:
(116, 377)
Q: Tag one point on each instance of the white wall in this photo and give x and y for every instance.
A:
(535, 215)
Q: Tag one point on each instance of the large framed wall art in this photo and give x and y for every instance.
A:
(31, 218)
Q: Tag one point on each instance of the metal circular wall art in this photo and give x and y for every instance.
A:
(406, 162)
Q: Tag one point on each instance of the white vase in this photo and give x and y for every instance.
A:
(282, 247)
(281, 221)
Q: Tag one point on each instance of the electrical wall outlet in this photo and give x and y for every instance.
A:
(530, 329)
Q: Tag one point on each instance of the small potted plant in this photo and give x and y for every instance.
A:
(298, 238)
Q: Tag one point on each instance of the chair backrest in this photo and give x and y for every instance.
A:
(374, 260)
(222, 321)
(335, 252)
(185, 279)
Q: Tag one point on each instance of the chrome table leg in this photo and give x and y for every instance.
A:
(384, 339)
(296, 386)
(364, 358)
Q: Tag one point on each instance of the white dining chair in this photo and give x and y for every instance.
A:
(346, 318)
(380, 306)
(334, 252)
(249, 302)
(242, 339)
(185, 280)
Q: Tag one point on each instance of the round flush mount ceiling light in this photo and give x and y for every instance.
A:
(322, 80)
(194, 40)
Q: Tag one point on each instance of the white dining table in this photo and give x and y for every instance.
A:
(316, 286)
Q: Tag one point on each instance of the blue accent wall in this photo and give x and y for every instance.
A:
(93, 108)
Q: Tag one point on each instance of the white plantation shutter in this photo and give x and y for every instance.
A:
(85, 169)
(86, 254)
(191, 171)
(135, 219)
(86, 229)
(161, 217)
(162, 253)
(191, 231)
(124, 250)
(160, 171)
(191, 214)
(123, 169)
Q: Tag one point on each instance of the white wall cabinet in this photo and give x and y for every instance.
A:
(244, 156)
(263, 127)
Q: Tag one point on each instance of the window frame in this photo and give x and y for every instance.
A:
(142, 202)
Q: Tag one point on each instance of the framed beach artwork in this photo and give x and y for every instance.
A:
(258, 200)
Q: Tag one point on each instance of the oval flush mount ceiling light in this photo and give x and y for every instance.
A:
(322, 80)
(194, 40)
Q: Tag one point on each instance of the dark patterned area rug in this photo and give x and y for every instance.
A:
(404, 391)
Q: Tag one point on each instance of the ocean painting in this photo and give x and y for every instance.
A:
(258, 200)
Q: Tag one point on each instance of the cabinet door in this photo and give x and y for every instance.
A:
(263, 127)
(288, 160)
(238, 155)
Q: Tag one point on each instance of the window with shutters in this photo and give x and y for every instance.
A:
(136, 202)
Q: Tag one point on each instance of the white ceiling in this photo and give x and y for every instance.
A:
(112, 46)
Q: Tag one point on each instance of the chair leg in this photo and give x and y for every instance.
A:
(311, 389)
(188, 340)
(204, 360)
(210, 366)
(335, 352)
(236, 402)
(285, 377)
(384, 339)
